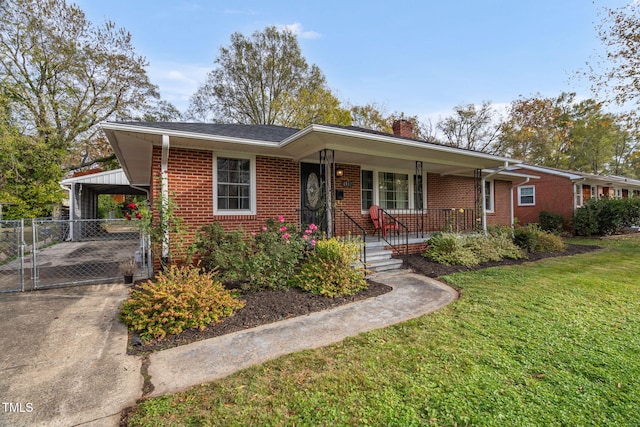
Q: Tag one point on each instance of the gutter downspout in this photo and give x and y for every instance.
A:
(484, 195)
(164, 197)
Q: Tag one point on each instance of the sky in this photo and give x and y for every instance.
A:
(419, 57)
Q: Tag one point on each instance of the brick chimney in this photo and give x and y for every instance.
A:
(402, 127)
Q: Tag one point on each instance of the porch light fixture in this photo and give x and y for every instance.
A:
(339, 172)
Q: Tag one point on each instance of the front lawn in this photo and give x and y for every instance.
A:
(548, 343)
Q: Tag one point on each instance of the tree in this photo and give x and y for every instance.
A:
(370, 116)
(593, 138)
(64, 75)
(473, 128)
(561, 133)
(30, 174)
(537, 130)
(265, 79)
(618, 75)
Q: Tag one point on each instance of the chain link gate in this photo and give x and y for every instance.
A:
(62, 252)
(12, 256)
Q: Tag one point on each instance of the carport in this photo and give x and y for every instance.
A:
(84, 190)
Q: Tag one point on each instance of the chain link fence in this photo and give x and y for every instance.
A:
(43, 253)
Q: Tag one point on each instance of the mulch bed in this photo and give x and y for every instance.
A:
(272, 306)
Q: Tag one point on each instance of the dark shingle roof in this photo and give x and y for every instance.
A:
(256, 132)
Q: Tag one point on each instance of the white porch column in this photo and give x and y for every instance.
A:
(164, 194)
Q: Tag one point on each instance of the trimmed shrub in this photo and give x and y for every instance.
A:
(330, 269)
(525, 237)
(550, 222)
(180, 299)
(500, 241)
(533, 239)
(549, 242)
(470, 250)
(606, 216)
(223, 251)
(450, 249)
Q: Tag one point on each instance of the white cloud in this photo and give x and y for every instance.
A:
(296, 28)
(240, 12)
(177, 82)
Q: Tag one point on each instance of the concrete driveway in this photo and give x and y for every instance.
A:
(63, 358)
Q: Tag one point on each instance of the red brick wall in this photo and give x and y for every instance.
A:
(501, 204)
(553, 194)
(191, 184)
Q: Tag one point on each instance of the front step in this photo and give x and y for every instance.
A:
(379, 259)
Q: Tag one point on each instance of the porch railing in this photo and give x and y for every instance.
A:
(394, 232)
(420, 222)
(345, 225)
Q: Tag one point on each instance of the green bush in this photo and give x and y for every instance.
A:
(470, 250)
(525, 237)
(606, 216)
(500, 241)
(263, 260)
(451, 249)
(330, 269)
(222, 251)
(533, 239)
(181, 298)
(551, 222)
(549, 242)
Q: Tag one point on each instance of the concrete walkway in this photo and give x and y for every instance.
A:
(182, 367)
(63, 358)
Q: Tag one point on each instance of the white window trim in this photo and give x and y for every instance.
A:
(520, 195)
(492, 197)
(252, 190)
(376, 188)
(578, 192)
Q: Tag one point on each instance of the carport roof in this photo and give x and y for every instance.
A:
(108, 182)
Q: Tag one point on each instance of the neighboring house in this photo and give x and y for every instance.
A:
(241, 175)
(562, 192)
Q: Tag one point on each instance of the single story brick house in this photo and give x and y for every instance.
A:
(562, 192)
(241, 175)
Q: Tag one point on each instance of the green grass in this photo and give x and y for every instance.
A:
(551, 343)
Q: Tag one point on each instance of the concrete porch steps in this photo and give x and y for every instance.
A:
(379, 259)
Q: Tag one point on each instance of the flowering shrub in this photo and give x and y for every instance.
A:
(330, 269)
(181, 298)
(259, 260)
(130, 210)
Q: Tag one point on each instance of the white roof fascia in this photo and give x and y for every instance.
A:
(188, 135)
(510, 174)
(543, 169)
(99, 178)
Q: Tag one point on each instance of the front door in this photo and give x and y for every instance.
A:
(311, 195)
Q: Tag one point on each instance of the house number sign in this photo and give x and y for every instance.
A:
(347, 183)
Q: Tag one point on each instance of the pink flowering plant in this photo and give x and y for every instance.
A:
(263, 259)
